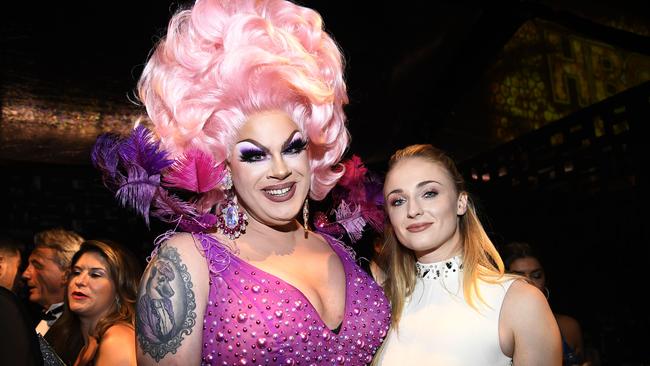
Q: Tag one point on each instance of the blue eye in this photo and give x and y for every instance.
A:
(295, 147)
(397, 202)
(430, 194)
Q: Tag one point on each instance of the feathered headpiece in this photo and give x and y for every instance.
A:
(144, 178)
(358, 201)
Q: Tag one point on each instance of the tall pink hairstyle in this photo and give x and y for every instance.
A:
(222, 61)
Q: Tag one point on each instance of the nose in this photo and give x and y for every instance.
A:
(413, 209)
(80, 279)
(27, 274)
(279, 168)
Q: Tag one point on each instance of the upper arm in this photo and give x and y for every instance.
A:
(171, 304)
(534, 331)
(117, 347)
(570, 329)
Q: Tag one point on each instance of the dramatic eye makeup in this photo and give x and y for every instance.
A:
(250, 152)
(295, 145)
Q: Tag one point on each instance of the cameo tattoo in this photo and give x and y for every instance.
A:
(165, 305)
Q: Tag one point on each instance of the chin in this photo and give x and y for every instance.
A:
(283, 213)
(280, 221)
(74, 309)
(419, 244)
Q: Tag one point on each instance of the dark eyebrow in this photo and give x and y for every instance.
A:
(423, 183)
(260, 146)
(394, 191)
(91, 268)
(288, 141)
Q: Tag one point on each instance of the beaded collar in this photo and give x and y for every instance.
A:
(433, 271)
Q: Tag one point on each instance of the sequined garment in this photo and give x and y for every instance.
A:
(255, 318)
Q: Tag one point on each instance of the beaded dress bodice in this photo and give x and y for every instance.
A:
(255, 318)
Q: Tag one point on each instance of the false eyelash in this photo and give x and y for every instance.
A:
(296, 146)
(251, 155)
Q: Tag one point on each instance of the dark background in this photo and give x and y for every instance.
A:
(411, 66)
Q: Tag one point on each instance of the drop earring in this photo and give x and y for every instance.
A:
(231, 222)
(305, 216)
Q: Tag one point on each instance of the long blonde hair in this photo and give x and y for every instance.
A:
(480, 258)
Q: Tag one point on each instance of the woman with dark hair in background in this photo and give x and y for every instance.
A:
(99, 309)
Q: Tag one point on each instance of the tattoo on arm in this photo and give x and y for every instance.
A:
(166, 305)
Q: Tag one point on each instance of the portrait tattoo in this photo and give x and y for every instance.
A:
(166, 305)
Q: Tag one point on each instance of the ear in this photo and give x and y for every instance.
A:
(64, 278)
(461, 204)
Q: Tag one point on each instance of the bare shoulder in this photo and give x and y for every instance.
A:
(119, 332)
(117, 346)
(185, 244)
(171, 303)
(567, 322)
(524, 306)
(525, 298)
(527, 316)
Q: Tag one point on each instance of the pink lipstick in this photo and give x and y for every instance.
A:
(416, 228)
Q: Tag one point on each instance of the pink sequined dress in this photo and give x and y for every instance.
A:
(255, 318)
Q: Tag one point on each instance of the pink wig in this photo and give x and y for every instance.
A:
(222, 61)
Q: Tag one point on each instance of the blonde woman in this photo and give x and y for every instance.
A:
(451, 302)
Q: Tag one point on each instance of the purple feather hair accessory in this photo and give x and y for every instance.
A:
(358, 201)
(134, 168)
(105, 157)
(138, 191)
(140, 149)
(169, 208)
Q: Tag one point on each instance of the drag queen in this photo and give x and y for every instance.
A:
(246, 98)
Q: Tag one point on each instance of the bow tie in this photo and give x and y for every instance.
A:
(52, 314)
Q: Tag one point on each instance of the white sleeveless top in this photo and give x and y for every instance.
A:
(438, 327)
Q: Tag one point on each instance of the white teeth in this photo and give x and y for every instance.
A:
(278, 192)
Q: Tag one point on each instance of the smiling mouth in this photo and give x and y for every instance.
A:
(280, 192)
(414, 228)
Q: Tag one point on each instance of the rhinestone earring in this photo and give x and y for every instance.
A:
(231, 222)
(305, 216)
